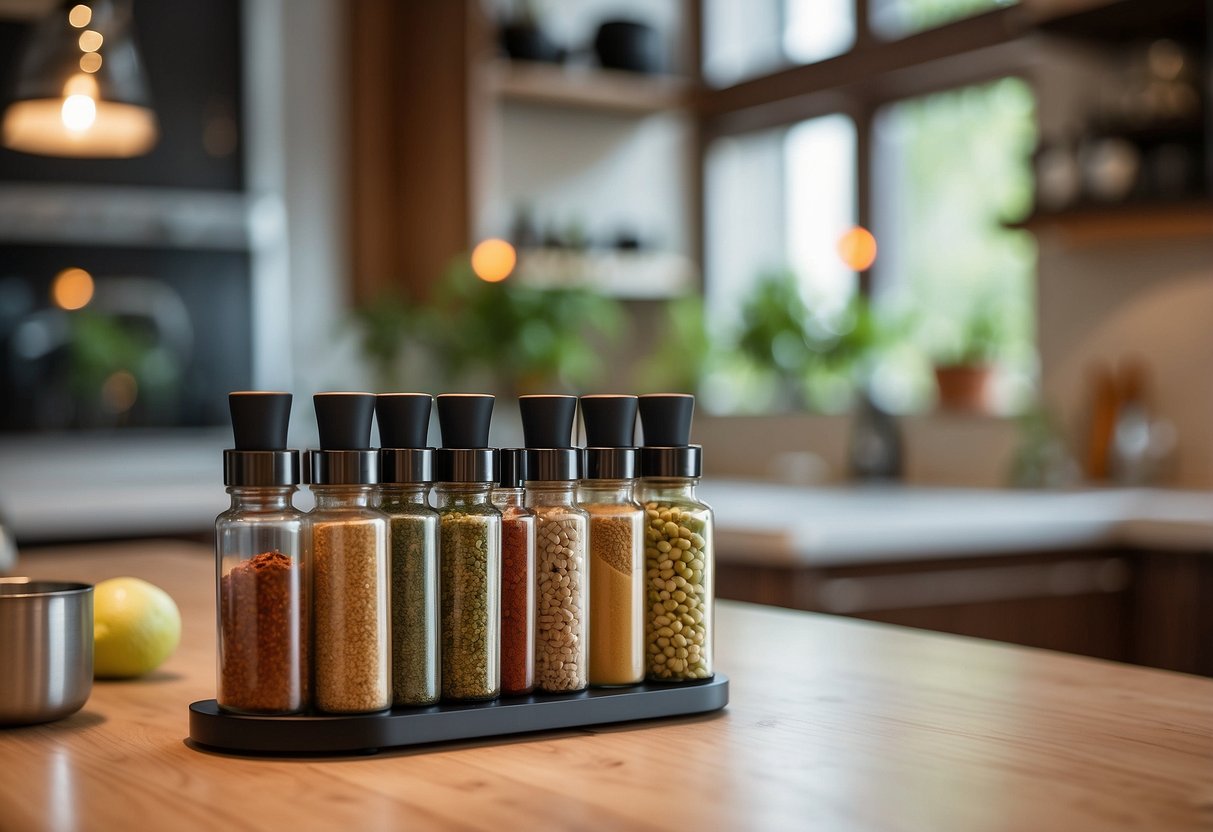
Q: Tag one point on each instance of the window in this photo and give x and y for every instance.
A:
(745, 38)
(930, 151)
(780, 199)
(951, 170)
(777, 200)
(897, 18)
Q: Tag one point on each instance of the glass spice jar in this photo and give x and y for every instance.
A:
(561, 544)
(350, 602)
(261, 572)
(469, 550)
(406, 469)
(678, 544)
(517, 574)
(616, 549)
(562, 642)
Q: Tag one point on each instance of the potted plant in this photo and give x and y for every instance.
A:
(506, 335)
(964, 372)
(815, 358)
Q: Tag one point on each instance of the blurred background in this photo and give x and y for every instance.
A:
(939, 271)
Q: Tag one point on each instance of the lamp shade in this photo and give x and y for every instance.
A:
(80, 88)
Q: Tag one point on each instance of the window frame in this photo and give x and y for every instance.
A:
(872, 74)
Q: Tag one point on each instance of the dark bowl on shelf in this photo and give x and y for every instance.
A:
(528, 42)
(628, 45)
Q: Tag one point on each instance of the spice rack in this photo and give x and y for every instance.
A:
(401, 727)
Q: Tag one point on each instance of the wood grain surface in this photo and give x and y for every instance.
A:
(833, 724)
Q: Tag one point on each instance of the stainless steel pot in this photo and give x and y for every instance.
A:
(46, 649)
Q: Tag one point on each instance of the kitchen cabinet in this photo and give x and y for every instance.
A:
(1075, 602)
(1171, 601)
(1123, 604)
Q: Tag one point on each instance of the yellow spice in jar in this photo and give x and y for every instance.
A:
(616, 594)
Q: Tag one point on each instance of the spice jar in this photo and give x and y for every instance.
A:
(616, 552)
(517, 574)
(469, 549)
(260, 565)
(678, 543)
(352, 645)
(553, 467)
(406, 470)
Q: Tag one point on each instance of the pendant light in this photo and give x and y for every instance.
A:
(80, 88)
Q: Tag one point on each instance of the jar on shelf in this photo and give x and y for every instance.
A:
(261, 568)
(469, 550)
(406, 471)
(352, 645)
(678, 544)
(561, 543)
(517, 574)
(616, 535)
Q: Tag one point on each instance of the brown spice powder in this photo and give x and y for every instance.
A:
(263, 648)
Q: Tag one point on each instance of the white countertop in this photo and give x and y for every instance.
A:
(110, 485)
(774, 524)
(127, 486)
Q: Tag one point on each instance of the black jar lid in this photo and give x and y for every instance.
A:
(404, 422)
(610, 437)
(667, 452)
(511, 467)
(345, 456)
(547, 428)
(260, 457)
(465, 455)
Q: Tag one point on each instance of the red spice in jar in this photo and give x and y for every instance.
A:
(517, 602)
(262, 643)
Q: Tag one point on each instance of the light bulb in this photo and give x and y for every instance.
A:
(78, 113)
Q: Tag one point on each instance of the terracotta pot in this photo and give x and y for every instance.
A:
(964, 388)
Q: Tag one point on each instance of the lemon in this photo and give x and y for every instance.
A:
(136, 626)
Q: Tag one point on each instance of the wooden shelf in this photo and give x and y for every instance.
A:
(1120, 21)
(1089, 225)
(587, 88)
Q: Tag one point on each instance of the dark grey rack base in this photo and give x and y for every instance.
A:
(325, 734)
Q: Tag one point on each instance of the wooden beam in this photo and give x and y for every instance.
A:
(410, 177)
(862, 71)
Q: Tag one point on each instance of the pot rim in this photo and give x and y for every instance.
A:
(41, 589)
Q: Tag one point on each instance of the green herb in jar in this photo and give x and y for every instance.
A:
(414, 568)
(471, 605)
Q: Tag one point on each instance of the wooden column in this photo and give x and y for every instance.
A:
(409, 174)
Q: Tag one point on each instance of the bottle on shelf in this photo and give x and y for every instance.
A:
(469, 549)
(261, 565)
(678, 543)
(406, 471)
(352, 662)
(561, 535)
(616, 552)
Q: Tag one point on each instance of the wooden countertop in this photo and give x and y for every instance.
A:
(832, 724)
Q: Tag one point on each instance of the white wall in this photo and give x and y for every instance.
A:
(296, 168)
(1147, 301)
(1123, 299)
(606, 172)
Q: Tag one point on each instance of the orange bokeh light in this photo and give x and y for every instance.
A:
(857, 248)
(72, 289)
(493, 260)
